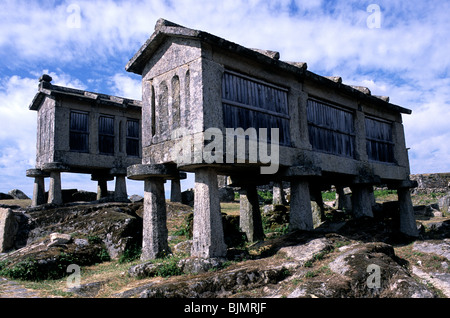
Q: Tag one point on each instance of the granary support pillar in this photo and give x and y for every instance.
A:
(120, 190)
(175, 188)
(55, 191)
(300, 214)
(102, 183)
(208, 238)
(278, 193)
(154, 241)
(39, 186)
(362, 199)
(155, 234)
(250, 215)
(407, 219)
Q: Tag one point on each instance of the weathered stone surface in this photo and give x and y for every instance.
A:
(208, 238)
(8, 229)
(115, 224)
(431, 182)
(200, 265)
(302, 253)
(394, 281)
(441, 248)
(82, 195)
(187, 197)
(135, 198)
(226, 194)
(155, 233)
(59, 239)
(250, 214)
(444, 203)
(183, 247)
(88, 290)
(18, 194)
(147, 269)
(4, 196)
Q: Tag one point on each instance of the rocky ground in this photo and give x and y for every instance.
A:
(342, 257)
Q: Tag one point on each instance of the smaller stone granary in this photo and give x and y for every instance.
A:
(204, 97)
(83, 132)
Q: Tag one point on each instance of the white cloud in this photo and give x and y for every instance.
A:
(125, 86)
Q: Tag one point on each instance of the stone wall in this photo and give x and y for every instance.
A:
(431, 182)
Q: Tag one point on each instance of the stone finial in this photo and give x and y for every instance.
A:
(362, 89)
(165, 23)
(301, 65)
(336, 79)
(272, 54)
(384, 98)
(45, 78)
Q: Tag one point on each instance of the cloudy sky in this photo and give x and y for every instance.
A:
(396, 48)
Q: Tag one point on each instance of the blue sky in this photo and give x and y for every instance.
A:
(401, 51)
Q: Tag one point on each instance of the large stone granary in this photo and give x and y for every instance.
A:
(205, 97)
(83, 132)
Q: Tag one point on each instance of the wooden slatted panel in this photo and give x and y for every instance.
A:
(106, 134)
(379, 142)
(133, 137)
(331, 129)
(79, 131)
(249, 102)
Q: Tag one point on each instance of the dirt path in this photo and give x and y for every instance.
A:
(12, 289)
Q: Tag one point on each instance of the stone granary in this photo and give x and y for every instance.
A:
(204, 97)
(83, 132)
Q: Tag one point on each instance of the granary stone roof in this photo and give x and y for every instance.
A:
(165, 29)
(46, 88)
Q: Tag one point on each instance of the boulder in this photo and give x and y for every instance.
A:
(59, 239)
(8, 229)
(18, 195)
(373, 270)
(4, 196)
(147, 269)
(441, 248)
(303, 253)
(187, 197)
(116, 225)
(85, 196)
(226, 194)
(444, 203)
(41, 260)
(200, 265)
(135, 198)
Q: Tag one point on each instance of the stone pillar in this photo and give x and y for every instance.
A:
(120, 190)
(102, 183)
(362, 200)
(407, 219)
(154, 237)
(316, 194)
(55, 191)
(175, 190)
(102, 188)
(250, 214)
(39, 186)
(278, 193)
(300, 215)
(343, 200)
(38, 191)
(208, 238)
